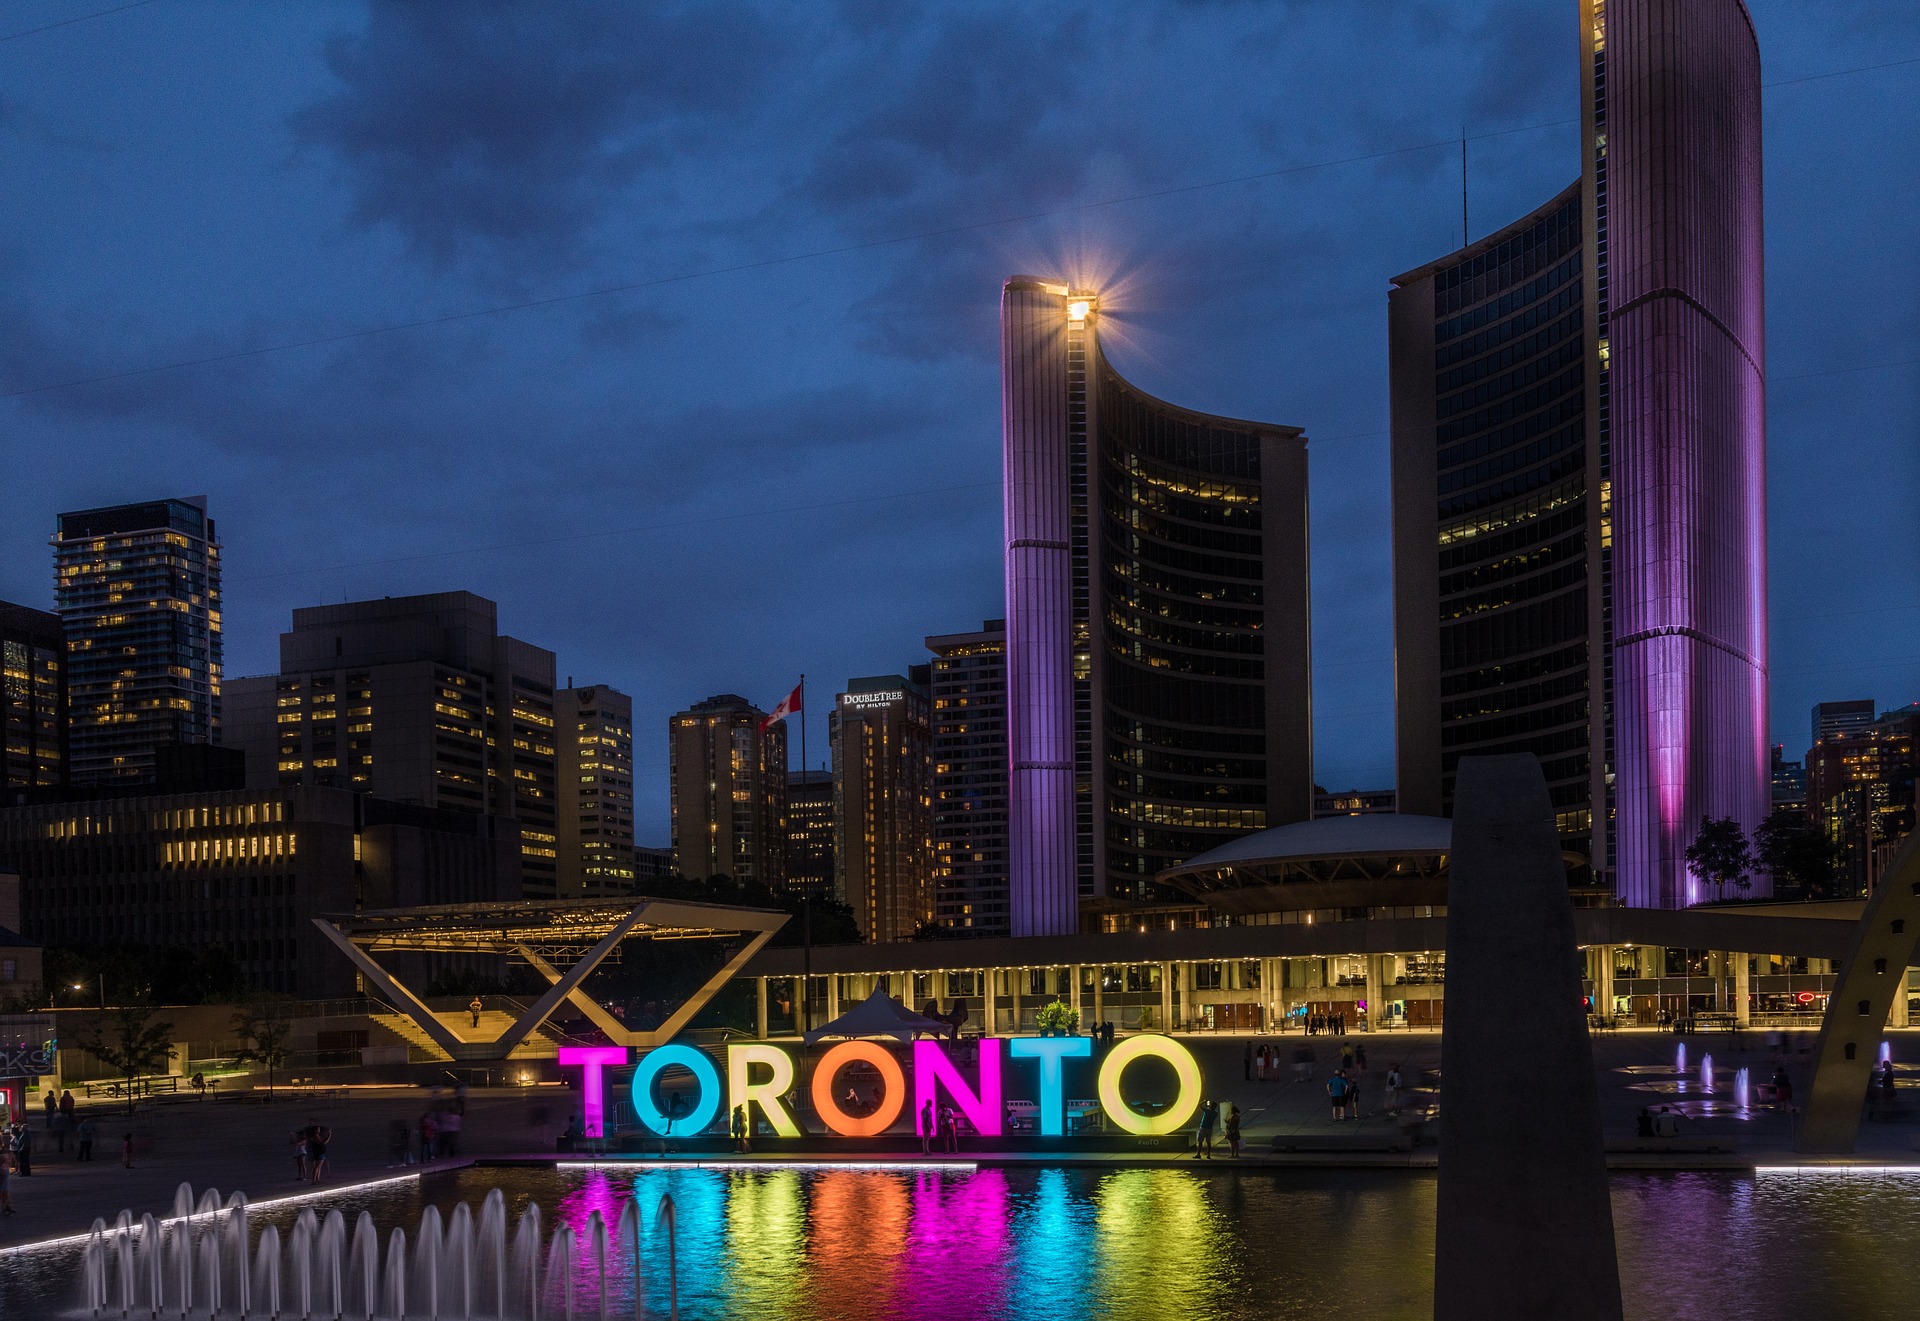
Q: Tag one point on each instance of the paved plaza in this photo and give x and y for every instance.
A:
(242, 1144)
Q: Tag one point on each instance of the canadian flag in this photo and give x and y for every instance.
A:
(788, 705)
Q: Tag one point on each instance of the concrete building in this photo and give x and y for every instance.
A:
(1788, 781)
(1861, 783)
(414, 699)
(729, 786)
(33, 698)
(593, 732)
(968, 685)
(1578, 466)
(1158, 657)
(246, 869)
(810, 833)
(137, 588)
(1846, 717)
(882, 737)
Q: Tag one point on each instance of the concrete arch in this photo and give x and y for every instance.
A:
(1874, 970)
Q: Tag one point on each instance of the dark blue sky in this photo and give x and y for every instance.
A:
(714, 483)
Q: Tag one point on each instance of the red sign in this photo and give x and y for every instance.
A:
(1805, 997)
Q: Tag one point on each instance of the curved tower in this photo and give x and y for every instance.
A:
(1681, 139)
(1158, 663)
(1579, 467)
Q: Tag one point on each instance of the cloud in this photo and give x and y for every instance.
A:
(516, 132)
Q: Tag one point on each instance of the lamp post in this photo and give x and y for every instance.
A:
(81, 986)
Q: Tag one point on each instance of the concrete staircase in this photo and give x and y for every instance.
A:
(538, 1044)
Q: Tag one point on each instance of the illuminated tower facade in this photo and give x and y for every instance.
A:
(1157, 656)
(1579, 467)
(137, 588)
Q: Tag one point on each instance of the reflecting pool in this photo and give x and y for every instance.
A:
(822, 1244)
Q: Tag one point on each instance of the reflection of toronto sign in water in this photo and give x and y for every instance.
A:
(759, 1076)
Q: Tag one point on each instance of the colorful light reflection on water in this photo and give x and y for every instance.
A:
(1166, 1241)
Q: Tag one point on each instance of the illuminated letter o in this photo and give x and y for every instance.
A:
(893, 1089)
(1185, 1069)
(704, 1073)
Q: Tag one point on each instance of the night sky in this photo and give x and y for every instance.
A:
(756, 460)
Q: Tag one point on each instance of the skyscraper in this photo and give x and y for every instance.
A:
(810, 832)
(415, 699)
(594, 772)
(1842, 717)
(1158, 658)
(969, 690)
(1578, 466)
(137, 588)
(882, 741)
(33, 698)
(729, 783)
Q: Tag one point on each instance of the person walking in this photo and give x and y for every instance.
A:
(430, 1136)
(1346, 1056)
(1353, 1099)
(317, 1151)
(52, 1103)
(1393, 1089)
(474, 1007)
(1360, 1057)
(1782, 1088)
(85, 1134)
(23, 1149)
(1337, 1093)
(451, 1122)
(1233, 1131)
(66, 1105)
(59, 1126)
(926, 1129)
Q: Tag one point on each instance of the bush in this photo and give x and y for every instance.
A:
(1059, 1017)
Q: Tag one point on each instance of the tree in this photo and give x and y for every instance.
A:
(129, 1043)
(1797, 854)
(1719, 853)
(263, 1029)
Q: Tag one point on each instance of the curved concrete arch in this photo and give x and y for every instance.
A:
(1874, 970)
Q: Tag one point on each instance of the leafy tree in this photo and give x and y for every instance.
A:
(1719, 854)
(130, 1043)
(263, 1029)
(1797, 854)
(1058, 1017)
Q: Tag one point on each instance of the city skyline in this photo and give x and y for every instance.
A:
(1309, 347)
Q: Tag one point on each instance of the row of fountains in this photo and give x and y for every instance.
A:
(1742, 1084)
(202, 1262)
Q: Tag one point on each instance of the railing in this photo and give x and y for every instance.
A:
(122, 1087)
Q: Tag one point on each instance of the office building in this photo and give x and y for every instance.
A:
(1849, 717)
(593, 734)
(1158, 658)
(1354, 802)
(882, 738)
(1578, 467)
(1789, 782)
(137, 588)
(968, 686)
(650, 864)
(729, 786)
(810, 832)
(33, 698)
(246, 869)
(413, 699)
(1860, 789)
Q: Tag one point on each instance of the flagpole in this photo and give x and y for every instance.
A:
(803, 729)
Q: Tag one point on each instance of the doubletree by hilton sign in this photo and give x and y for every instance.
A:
(759, 1074)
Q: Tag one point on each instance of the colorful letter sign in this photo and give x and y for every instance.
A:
(1185, 1068)
(932, 1070)
(743, 1092)
(893, 1089)
(593, 1061)
(704, 1074)
(1053, 1093)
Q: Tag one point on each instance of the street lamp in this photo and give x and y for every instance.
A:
(81, 986)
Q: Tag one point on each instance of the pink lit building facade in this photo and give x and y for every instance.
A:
(1157, 648)
(1579, 467)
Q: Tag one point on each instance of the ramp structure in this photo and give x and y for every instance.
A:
(576, 936)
